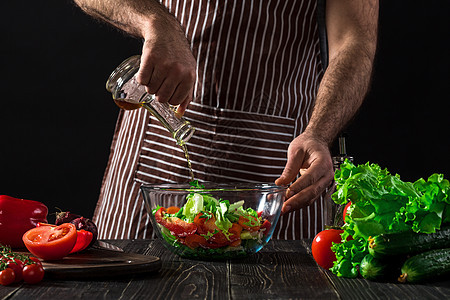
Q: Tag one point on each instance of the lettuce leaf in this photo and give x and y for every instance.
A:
(383, 203)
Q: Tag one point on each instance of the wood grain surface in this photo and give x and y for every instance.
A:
(282, 270)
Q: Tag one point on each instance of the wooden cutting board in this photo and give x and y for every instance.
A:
(98, 263)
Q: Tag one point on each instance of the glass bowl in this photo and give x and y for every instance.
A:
(217, 221)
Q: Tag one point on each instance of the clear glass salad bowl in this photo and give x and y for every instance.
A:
(214, 221)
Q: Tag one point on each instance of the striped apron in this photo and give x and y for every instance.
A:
(258, 71)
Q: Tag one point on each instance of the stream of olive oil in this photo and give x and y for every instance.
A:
(186, 154)
(123, 104)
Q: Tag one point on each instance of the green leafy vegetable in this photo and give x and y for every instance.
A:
(383, 203)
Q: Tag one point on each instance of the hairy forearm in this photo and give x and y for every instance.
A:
(135, 17)
(341, 92)
(352, 28)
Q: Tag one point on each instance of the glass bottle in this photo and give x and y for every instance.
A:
(333, 215)
(129, 94)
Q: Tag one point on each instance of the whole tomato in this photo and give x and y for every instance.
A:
(321, 247)
(7, 276)
(17, 268)
(33, 273)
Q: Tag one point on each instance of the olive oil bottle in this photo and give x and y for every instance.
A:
(128, 94)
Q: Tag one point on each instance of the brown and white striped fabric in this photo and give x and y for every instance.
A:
(258, 68)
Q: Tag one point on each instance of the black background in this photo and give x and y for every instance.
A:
(57, 119)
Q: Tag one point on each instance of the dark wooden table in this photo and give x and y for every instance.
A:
(282, 270)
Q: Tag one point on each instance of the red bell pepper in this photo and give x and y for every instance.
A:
(17, 216)
(84, 238)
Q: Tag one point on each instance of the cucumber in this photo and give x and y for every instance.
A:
(426, 265)
(376, 269)
(408, 242)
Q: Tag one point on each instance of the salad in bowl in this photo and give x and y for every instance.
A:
(214, 221)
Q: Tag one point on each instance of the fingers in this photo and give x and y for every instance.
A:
(172, 86)
(311, 159)
(293, 165)
(168, 69)
(297, 199)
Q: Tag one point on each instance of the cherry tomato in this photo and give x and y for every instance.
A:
(176, 226)
(35, 260)
(17, 268)
(321, 247)
(345, 210)
(51, 242)
(33, 273)
(7, 276)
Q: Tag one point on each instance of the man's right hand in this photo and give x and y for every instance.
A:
(168, 68)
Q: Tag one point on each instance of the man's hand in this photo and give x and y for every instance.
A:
(311, 158)
(168, 68)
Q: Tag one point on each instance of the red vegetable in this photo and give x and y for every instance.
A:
(17, 267)
(321, 247)
(266, 225)
(51, 243)
(7, 276)
(80, 222)
(84, 239)
(345, 210)
(23, 267)
(33, 273)
(176, 226)
(17, 217)
(250, 223)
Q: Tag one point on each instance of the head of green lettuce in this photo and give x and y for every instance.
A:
(383, 203)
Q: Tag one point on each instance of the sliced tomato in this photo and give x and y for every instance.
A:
(195, 240)
(51, 242)
(251, 223)
(266, 225)
(84, 238)
(175, 225)
(235, 231)
(172, 210)
(206, 225)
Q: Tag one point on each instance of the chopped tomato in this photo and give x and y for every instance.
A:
(235, 231)
(250, 223)
(266, 225)
(51, 242)
(172, 210)
(175, 225)
(194, 241)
